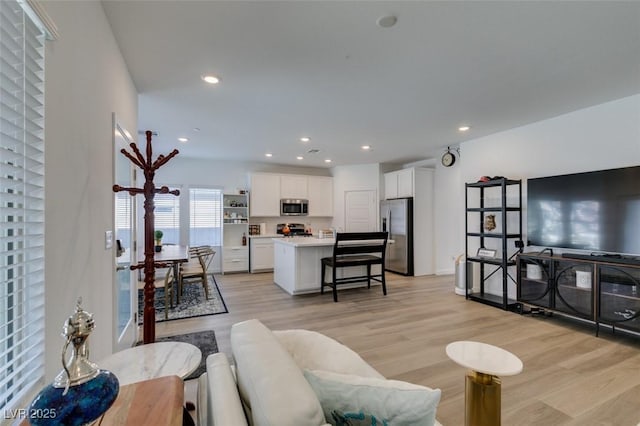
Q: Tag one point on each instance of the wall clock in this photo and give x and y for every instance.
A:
(448, 158)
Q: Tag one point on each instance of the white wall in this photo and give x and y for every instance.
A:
(600, 137)
(86, 80)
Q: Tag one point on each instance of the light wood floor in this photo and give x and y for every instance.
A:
(570, 376)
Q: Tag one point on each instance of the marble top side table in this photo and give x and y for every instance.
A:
(153, 360)
(482, 385)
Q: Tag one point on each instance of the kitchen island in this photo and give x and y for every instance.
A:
(297, 265)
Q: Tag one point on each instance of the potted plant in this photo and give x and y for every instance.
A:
(158, 237)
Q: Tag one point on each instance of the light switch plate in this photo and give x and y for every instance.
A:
(108, 239)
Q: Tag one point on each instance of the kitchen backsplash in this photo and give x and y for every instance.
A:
(272, 222)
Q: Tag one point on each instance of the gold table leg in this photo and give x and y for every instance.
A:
(482, 399)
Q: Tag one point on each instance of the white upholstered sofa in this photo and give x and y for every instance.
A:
(299, 378)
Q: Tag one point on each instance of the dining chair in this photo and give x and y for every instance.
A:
(196, 270)
(165, 282)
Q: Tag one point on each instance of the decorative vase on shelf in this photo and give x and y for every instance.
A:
(81, 392)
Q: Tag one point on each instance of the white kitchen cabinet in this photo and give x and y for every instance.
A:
(265, 195)
(293, 186)
(390, 185)
(235, 259)
(261, 254)
(405, 183)
(399, 184)
(320, 196)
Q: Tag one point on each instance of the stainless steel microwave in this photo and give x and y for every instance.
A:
(290, 207)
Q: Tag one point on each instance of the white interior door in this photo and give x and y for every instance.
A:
(361, 211)
(125, 284)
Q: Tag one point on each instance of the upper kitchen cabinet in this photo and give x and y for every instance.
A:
(320, 196)
(267, 189)
(399, 184)
(265, 194)
(294, 186)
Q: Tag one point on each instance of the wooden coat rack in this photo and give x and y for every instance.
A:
(149, 190)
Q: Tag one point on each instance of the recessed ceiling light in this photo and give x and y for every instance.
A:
(268, 154)
(328, 160)
(211, 79)
(305, 139)
(387, 21)
(183, 139)
(464, 128)
(299, 157)
(366, 147)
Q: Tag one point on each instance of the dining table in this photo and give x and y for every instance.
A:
(173, 255)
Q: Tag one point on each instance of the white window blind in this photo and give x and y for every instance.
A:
(21, 204)
(167, 217)
(123, 217)
(205, 216)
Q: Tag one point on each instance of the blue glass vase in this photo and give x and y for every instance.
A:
(82, 403)
(81, 392)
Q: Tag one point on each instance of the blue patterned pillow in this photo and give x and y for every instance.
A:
(395, 402)
(338, 418)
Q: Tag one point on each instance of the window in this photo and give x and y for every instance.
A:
(21, 204)
(167, 217)
(123, 217)
(205, 217)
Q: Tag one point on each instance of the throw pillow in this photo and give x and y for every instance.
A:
(395, 402)
(355, 419)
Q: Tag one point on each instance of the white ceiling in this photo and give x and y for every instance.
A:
(324, 69)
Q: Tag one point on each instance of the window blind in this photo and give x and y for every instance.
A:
(167, 217)
(21, 204)
(205, 216)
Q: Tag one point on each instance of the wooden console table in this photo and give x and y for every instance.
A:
(155, 402)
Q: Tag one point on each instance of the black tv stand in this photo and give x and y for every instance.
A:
(604, 257)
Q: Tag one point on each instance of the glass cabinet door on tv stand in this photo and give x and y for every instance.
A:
(619, 296)
(574, 288)
(535, 278)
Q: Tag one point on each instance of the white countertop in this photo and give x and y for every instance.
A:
(267, 236)
(306, 241)
(484, 358)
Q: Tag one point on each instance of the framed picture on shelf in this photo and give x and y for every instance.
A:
(485, 252)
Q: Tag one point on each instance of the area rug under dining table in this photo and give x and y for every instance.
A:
(192, 303)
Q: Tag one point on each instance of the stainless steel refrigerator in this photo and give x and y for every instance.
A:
(397, 220)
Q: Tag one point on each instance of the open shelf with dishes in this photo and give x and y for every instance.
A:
(235, 233)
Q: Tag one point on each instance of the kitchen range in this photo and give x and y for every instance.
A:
(293, 230)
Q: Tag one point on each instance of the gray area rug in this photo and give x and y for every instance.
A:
(204, 340)
(192, 303)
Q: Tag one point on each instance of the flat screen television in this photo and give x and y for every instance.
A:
(596, 211)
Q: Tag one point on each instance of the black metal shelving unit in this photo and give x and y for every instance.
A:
(505, 235)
